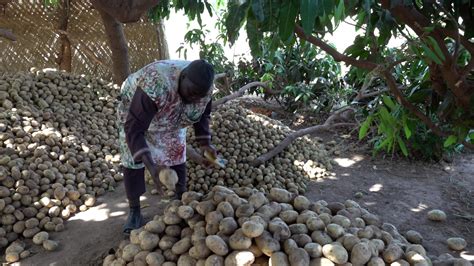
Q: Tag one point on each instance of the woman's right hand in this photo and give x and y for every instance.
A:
(154, 172)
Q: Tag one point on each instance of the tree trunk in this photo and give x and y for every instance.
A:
(163, 52)
(64, 59)
(124, 11)
(118, 47)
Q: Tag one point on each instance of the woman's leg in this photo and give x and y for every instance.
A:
(181, 185)
(134, 181)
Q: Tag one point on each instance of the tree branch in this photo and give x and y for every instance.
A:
(238, 93)
(7, 34)
(333, 52)
(328, 124)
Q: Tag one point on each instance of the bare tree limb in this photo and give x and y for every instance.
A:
(328, 124)
(238, 93)
(7, 34)
(333, 52)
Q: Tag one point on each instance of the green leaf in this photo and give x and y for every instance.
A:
(450, 141)
(431, 54)
(438, 51)
(309, 10)
(288, 14)
(328, 6)
(364, 128)
(385, 115)
(402, 146)
(235, 19)
(339, 12)
(257, 9)
(388, 102)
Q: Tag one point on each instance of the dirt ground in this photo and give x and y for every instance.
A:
(399, 191)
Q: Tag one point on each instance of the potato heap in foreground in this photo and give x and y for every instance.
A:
(58, 151)
(241, 135)
(244, 227)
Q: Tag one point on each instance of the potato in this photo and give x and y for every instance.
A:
(11, 257)
(169, 178)
(228, 225)
(321, 262)
(257, 200)
(205, 207)
(50, 245)
(289, 216)
(400, 262)
(226, 209)
(140, 258)
(335, 253)
(335, 207)
(267, 243)
(437, 215)
(456, 243)
(167, 242)
(217, 245)
(182, 246)
(214, 217)
(314, 250)
(171, 219)
(360, 254)
(252, 229)
(289, 245)
(392, 253)
(366, 232)
(40, 237)
(341, 220)
(199, 250)
(415, 258)
(185, 260)
(255, 250)
(268, 211)
(185, 212)
(315, 223)
(280, 230)
(239, 258)
(321, 238)
(244, 210)
(214, 260)
(298, 256)
(417, 248)
(301, 239)
(148, 241)
(279, 259)
(189, 196)
(212, 229)
(301, 203)
(280, 195)
(239, 241)
(326, 218)
(376, 261)
(298, 229)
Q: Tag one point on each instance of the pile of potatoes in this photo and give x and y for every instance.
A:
(58, 150)
(243, 226)
(241, 136)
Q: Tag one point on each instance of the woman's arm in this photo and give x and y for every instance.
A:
(201, 128)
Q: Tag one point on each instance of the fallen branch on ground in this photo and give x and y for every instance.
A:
(328, 124)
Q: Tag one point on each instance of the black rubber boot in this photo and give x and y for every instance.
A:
(134, 221)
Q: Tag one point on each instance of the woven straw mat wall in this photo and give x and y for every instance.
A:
(38, 42)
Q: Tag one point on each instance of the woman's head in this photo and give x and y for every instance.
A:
(195, 81)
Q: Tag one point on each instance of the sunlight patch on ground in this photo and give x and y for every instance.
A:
(344, 162)
(117, 213)
(376, 188)
(97, 214)
(419, 208)
(467, 255)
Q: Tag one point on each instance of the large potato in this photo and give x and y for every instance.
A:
(267, 243)
(298, 256)
(252, 229)
(239, 241)
(279, 259)
(217, 245)
(336, 253)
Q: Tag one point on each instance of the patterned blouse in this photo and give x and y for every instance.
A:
(153, 118)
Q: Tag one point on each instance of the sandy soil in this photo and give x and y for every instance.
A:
(401, 192)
